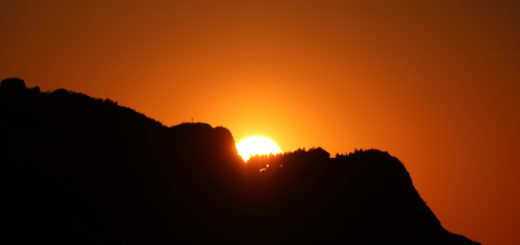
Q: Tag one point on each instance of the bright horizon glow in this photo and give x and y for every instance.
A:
(257, 145)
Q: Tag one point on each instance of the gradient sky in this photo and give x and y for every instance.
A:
(435, 83)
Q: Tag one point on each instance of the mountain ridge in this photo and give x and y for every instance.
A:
(97, 171)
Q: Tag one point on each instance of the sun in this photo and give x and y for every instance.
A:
(257, 145)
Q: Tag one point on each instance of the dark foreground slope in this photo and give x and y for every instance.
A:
(78, 170)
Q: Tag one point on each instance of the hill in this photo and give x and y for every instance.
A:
(79, 170)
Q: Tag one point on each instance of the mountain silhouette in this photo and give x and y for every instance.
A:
(79, 170)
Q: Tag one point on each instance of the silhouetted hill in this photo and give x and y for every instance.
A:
(79, 170)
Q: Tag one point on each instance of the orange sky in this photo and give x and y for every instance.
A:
(435, 84)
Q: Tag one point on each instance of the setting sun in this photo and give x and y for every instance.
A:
(257, 145)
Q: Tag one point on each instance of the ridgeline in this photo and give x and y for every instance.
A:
(79, 170)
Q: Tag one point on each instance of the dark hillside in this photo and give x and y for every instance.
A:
(79, 170)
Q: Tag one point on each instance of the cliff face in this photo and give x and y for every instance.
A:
(81, 170)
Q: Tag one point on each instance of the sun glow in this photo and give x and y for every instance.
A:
(257, 145)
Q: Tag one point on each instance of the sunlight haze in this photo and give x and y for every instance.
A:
(434, 83)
